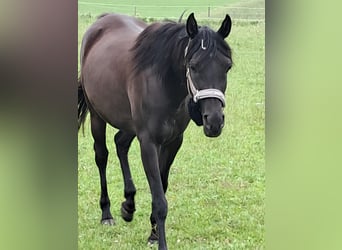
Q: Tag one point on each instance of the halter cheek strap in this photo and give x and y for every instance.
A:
(203, 93)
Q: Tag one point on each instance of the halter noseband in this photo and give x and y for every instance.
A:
(203, 93)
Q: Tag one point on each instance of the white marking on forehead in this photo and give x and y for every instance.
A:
(202, 45)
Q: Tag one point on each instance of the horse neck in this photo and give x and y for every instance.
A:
(161, 48)
(176, 74)
(175, 82)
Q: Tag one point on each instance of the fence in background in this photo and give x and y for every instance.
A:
(173, 12)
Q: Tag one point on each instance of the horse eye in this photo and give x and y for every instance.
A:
(193, 68)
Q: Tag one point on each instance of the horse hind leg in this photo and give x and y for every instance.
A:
(123, 141)
(98, 130)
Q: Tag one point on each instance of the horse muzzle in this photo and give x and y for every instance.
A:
(212, 116)
(213, 124)
(209, 113)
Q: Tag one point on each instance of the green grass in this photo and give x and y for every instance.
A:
(216, 190)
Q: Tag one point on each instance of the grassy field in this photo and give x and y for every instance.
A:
(216, 192)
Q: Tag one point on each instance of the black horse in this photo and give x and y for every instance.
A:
(149, 81)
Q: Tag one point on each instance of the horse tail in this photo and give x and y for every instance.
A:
(82, 105)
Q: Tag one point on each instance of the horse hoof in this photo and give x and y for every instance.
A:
(152, 243)
(109, 222)
(153, 239)
(126, 215)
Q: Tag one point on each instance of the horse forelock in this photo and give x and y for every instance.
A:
(205, 45)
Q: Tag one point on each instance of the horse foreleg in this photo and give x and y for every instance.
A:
(123, 142)
(98, 130)
(150, 159)
(166, 156)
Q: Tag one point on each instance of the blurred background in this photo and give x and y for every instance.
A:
(38, 128)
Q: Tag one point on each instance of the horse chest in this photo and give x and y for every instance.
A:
(166, 131)
(170, 127)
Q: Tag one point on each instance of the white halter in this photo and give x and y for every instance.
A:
(203, 93)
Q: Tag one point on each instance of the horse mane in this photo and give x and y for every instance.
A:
(160, 46)
(102, 15)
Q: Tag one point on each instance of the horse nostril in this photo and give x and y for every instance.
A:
(205, 118)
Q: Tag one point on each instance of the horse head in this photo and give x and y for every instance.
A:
(207, 62)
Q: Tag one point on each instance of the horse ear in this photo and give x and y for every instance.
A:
(191, 26)
(226, 25)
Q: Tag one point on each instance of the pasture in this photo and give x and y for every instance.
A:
(216, 194)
